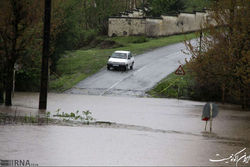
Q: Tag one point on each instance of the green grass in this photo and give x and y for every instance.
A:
(75, 66)
(174, 86)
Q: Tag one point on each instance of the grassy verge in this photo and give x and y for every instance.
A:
(174, 86)
(75, 66)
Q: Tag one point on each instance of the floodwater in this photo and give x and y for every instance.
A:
(64, 145)
(145, 131)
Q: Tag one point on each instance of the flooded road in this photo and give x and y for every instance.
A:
(150, 68)
(146, 131)
(57, 145)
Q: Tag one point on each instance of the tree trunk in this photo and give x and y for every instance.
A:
(223, 93)
(9, 84)
(85, 15)
(1, 95)
(1, 85)
(245, 99)
(242, 97)
(134, 4)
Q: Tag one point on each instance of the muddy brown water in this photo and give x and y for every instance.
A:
(144, 131)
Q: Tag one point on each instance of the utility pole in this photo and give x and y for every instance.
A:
(1, 80)
(1, 86)
(200, 40)
(45, 58)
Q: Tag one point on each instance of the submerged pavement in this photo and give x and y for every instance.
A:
(144, 131)
(150, 68)
(151, 132)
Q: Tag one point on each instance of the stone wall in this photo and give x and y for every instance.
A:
(126, 26)
(155, 27)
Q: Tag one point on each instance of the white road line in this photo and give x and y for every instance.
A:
(149, 64)
(112, 86)
(141, 68)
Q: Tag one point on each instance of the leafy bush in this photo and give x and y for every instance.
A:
(174, 86)
(28, 73)
(139, 39)
(109, 44)
(84, 116)
(159, 7)
(28, 79)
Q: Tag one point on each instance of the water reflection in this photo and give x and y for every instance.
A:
(17, 115)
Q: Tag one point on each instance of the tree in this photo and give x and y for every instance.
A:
(221, 65)
(159, 7)
(16, 24)
(74, 24)
(192, 5)
(1, 75)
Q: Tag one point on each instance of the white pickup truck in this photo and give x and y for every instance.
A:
(121, 59)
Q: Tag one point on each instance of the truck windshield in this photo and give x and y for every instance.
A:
(119, 55)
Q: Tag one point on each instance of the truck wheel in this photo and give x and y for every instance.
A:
(108, 68)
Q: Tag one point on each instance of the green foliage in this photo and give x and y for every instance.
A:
(72, 33)
(221, 65)
(174, 86)
(196, 5)
(84, 116)
(28, 71)
(159, 7)
(75, 66)
(75, 24)
(130, 39)
(140, 39)
(27, 79)
(17, 30)
(83, 22)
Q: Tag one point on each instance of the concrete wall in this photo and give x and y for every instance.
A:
(126, 26)
(154, 27)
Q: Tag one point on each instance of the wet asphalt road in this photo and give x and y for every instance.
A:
(149, 69)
